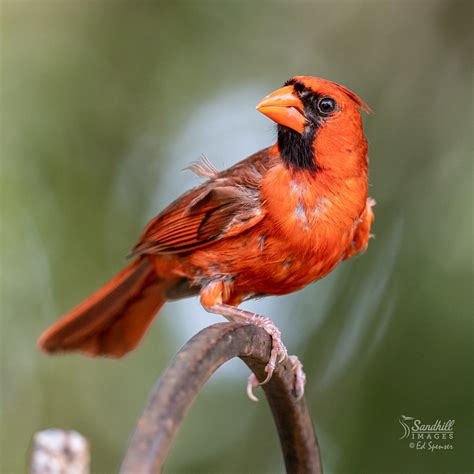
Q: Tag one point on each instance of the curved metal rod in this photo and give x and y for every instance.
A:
(185, 376)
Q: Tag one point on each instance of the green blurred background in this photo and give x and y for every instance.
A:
(103, 103)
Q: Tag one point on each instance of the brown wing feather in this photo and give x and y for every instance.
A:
(225, 205)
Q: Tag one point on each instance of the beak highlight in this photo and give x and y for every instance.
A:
(284, 108)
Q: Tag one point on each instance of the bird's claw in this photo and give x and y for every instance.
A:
(300, 376)
(278, 352)
(278, 355)
(298, 384)
(252, 382)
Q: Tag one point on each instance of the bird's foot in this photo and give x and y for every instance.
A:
(278, 354)
(298, 385)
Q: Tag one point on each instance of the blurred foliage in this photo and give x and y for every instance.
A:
(104, 102)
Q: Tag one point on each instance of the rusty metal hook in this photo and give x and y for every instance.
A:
(185, 376)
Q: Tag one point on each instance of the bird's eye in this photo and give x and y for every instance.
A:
(327, 105)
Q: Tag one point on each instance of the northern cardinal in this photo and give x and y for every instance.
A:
(270, 225)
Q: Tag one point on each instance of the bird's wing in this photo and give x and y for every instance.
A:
(224, 206)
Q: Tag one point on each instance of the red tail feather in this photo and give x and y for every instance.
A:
(114, 319)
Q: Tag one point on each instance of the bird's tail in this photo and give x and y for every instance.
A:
(114, 319)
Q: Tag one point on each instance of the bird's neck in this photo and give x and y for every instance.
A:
(296, 150)
(319, 149)
(321, 196)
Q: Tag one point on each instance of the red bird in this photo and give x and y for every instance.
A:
(270, 225)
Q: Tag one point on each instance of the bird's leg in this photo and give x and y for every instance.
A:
(278, 352)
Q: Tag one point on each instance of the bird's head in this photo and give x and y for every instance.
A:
(319, 126)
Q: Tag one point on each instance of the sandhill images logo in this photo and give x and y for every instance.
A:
(434, 436)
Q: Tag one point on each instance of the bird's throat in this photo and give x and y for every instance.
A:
(297, 150)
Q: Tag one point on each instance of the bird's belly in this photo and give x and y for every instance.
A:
(267, 264)
(262, 262)
(293, 270)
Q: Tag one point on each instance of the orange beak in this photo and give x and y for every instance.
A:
(284, 108)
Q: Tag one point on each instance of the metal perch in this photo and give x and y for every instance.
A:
(185, 376)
